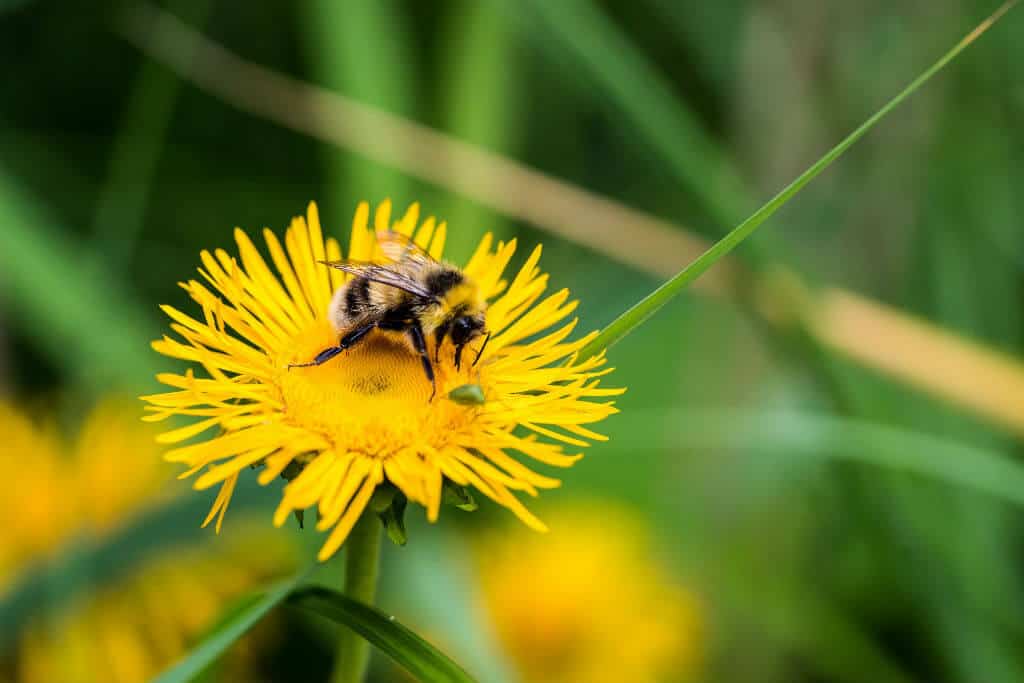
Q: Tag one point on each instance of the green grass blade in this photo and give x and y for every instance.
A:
(644, 309)
(362, 48)
(136, 151)
(416, 655)
(482, 99)
(71, 305)
(798, 434)
(646, 98)
(231, 630)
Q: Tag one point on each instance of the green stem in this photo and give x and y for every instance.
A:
(362, 558)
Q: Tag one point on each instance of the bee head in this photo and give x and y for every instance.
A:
(466, 328)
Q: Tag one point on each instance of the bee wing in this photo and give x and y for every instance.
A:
(375, 272)
(400, 248)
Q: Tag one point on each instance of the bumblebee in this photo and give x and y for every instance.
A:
(412, 294)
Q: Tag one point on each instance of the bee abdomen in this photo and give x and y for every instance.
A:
(357, 297)
(350, 302)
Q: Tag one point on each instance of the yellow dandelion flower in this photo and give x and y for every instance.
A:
(34, 522)
(367, 417)
(85, 487)
(598, 609)
(132, 630)
(128, 630)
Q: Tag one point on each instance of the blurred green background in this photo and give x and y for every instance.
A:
(761, 464)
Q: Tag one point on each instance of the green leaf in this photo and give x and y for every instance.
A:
(647, 306)
(416, 655)
(233, 628)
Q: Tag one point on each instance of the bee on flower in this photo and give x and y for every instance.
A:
(326, 370)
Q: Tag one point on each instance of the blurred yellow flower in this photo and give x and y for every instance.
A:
(140, 622)
(131, 631)
(587, 603)
(65, 490)
(365, 418)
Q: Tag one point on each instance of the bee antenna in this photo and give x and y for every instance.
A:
(482, 347)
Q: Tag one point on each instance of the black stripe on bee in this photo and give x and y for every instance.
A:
(357, 298)
(398, 318)
(440, 281)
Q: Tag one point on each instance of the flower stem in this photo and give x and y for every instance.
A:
(362, 557)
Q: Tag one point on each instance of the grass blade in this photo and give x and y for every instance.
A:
(234, 628)
(136, 151)
(377, 72)
(482, 99)
(953, 368)
(416, 655)
(809, 435)
(73, 307)
(646, 98)
(643, 310)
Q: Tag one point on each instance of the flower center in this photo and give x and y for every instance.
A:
(373, 398)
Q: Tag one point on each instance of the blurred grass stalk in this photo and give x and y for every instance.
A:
(482, 104)
(983, 381)
(121, 206)
(362, 47)
(75, 310)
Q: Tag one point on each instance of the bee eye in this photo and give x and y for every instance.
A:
(461, 330)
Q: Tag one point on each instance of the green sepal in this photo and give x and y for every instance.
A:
(382, 497)
(393, 519)
(459, 496)
(292, 470)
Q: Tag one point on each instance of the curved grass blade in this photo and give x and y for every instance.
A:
(416, 655)
(647, 306)
(230, 631)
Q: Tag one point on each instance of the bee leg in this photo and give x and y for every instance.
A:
(320, 358)
(346, 342)
(439, 336)
(481, 351)
(458, 356)
(420, 344)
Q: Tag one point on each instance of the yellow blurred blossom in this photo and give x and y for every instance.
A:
(71, 489)
(139, 621)
(587, 603)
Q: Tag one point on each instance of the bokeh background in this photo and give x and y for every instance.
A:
(786, 496)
